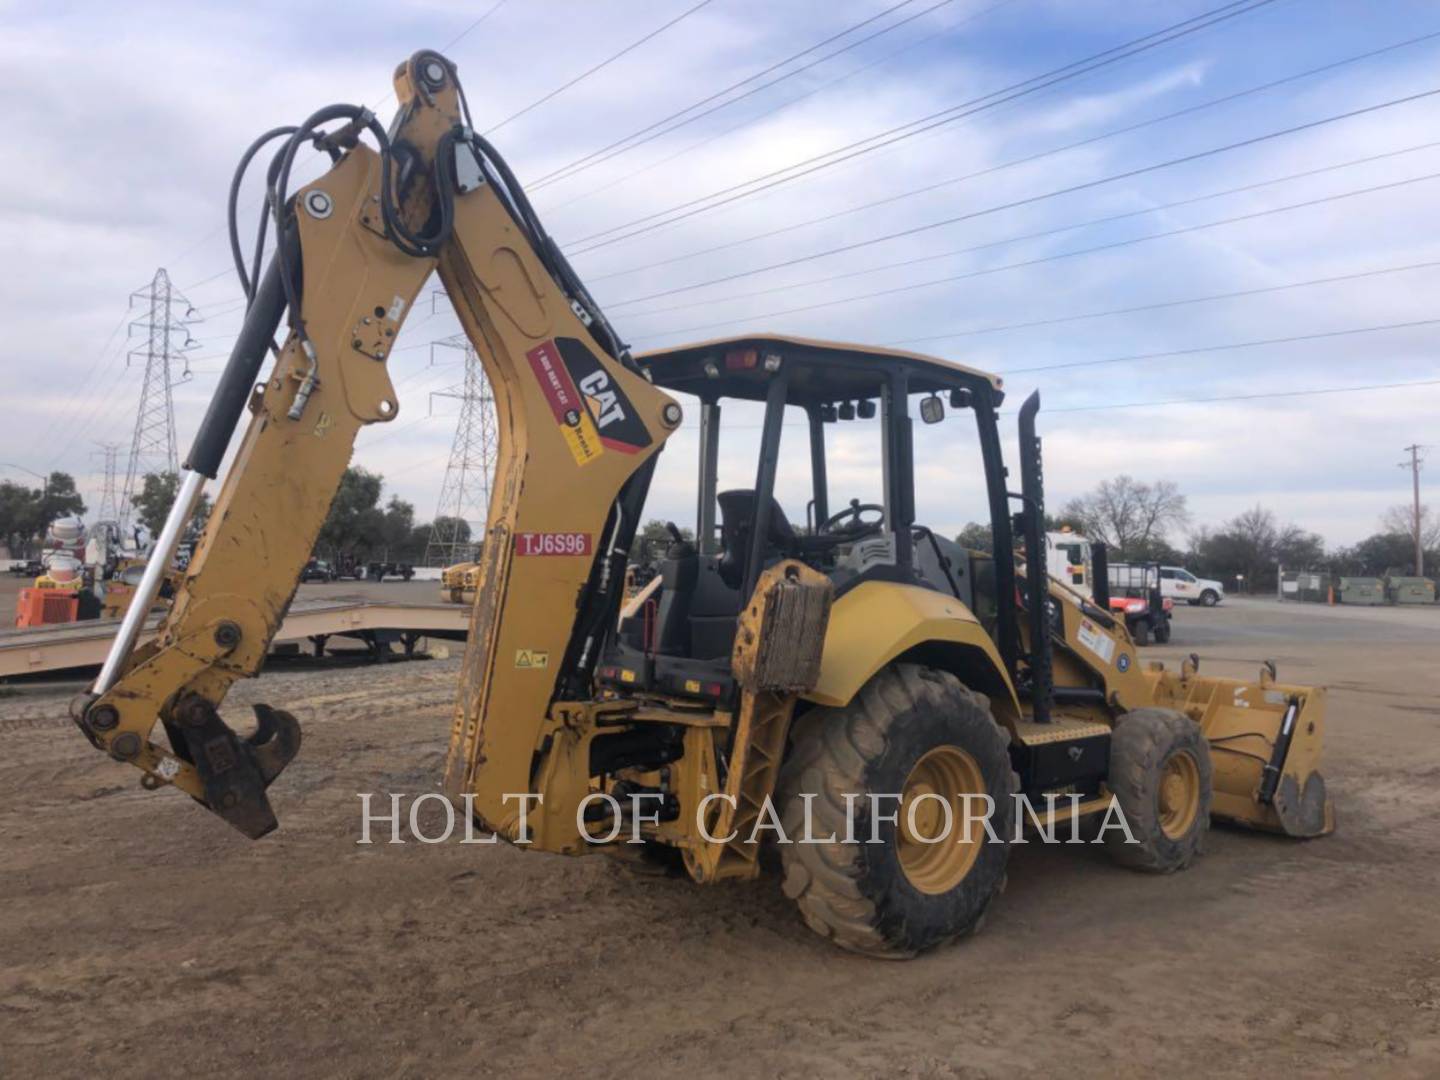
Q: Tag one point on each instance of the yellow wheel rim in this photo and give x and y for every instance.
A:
(936, 849)
(1179, 794)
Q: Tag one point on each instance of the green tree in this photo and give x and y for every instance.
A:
(26, 512)
(153, 501)
(396, 524)
(353, 525)
(1384, 553)
(59, 499)
(1254, 544)
(652, 539)
(976, 537)
(19, 514)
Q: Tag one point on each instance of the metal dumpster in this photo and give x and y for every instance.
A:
(1411, 590)
(1361, 590)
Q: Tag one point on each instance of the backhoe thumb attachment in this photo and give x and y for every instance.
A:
(235, 772)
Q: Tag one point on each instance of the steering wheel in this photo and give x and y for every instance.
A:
(834, 524)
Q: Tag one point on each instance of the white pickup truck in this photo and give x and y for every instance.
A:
(1179, 584)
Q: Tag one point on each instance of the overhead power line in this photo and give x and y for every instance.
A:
(806, 167)
(1057, 230)
(764, 114)
(1015, 203)
(1162, 305)
(1308, 392)
(659, 128)
(1225, 346)
(1041, 260)
(1028, 159)
(598, 67)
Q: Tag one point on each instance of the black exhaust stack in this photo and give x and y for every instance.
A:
(1100, 574)
(1037, 578)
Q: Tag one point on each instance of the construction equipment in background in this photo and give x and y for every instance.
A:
(1137, 597)
(459, 582)
(782, 672)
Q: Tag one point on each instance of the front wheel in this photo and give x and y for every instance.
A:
(1141, 631)
(1209, 598)
(901, 778)
(1160, 775)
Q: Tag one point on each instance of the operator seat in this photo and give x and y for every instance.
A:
(678, 571)
(737, 525)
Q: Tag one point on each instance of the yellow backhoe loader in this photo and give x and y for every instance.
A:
(859, 681)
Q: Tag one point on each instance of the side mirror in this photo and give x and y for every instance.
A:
(932, 409)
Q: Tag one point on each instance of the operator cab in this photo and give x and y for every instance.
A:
(677, 635)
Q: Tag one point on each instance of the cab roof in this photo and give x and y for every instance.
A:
(821, 371)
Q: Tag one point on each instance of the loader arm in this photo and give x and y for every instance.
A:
(579, 428)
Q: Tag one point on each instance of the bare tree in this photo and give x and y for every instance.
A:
(1399, 520)
(1130, 515)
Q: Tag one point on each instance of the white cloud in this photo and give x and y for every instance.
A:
(124, 133)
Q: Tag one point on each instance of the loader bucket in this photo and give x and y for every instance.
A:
(1265, 741)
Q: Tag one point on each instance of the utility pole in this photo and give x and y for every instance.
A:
(1416, 460)
(167, 338)
(464, 505)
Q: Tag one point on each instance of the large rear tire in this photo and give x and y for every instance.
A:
(1161, 777)
(914, 732)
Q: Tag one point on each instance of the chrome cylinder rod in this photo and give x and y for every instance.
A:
(161, 554)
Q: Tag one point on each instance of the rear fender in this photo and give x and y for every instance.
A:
(877, 623)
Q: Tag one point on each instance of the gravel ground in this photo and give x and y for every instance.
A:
(141, 937)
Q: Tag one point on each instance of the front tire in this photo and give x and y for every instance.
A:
(1141, 631)
(914, 732)
(1209, 598)
(1161, 778)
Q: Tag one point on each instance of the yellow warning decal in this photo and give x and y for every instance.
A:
(571, 413)
(583, 439)
(531, 659)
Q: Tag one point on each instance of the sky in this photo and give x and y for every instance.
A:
(1032, 252)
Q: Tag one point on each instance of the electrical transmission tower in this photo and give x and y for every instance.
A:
(465, 492)
(110, 492)
(167, 339)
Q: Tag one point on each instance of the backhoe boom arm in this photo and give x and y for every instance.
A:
(579, 427)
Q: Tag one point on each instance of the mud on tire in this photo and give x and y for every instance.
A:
(1148, 772)
(858, 894)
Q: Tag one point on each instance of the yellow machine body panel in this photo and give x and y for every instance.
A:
(574, 427)
(876, 622)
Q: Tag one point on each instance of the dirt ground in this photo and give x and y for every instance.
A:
(141, 937)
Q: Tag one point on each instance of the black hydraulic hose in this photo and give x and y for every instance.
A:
(238, 379)
(247, 285)
(549, 252)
